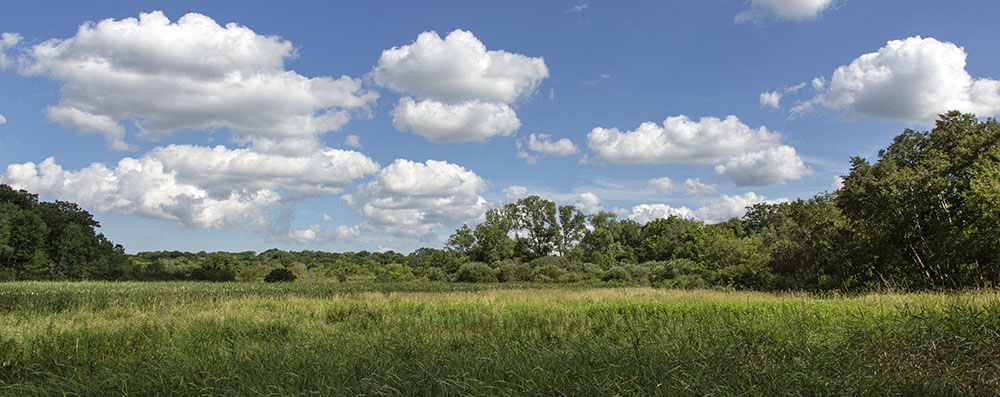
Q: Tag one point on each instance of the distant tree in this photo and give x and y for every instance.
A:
(279, 275)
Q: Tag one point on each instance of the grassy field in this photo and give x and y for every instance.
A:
(463, 339)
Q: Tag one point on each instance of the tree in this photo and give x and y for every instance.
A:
(279, 275)
(572, 224)
(928, 206)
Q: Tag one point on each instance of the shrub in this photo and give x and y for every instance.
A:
(592, 271)
(435, 274)
(393, 272)
(617, 273)
(476, 272)
(513, 271)
(639, 273)
(211, 273)
(279, 275)
(548, 273)
(548, 261)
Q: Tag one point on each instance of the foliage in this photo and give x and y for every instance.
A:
(279, 275)
(476, 272)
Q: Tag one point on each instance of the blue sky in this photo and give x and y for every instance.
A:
(359, 125)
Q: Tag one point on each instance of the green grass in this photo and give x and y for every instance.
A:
(463, 339)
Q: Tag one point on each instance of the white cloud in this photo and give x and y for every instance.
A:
(767, 167)
(912, 80)
(197, 186)
(588, 202)
(412, 199)
(352, 141)
(515, 192)
(770, 99)
(327, 217)
(727, 206)
(7, 40)
(645, 213)
(143, 187)
(542, 144)
(311, 235)
(694, 187)
(663, 185)
(348, 232)
(472, 121)
(727, 142)
(718, 210)
(578, 8)
(457, 69)
(818, 83)
(837, 184)
(463, 90)
(158, 77)
(221, 170)
(760, 10)
(3, 119)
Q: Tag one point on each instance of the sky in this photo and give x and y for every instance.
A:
(347, 126)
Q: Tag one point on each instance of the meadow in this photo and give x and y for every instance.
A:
(424, 338)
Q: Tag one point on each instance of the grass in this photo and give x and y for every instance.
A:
(465, 339)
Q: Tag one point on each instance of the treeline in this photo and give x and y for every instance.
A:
(54, 241)
(925, 215)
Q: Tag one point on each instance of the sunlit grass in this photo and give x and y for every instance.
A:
(448, 339)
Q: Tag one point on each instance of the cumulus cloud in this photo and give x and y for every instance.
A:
(663, 185)
(912, 80)
(311, 235)
(588, 202)
(770, 99)
(3, 119)
(344, 232)
(837, 184)
(197, 186)
(155, 76)
(7, 40)
(727, 142)
(352, 141)
(645, 213)
(412, 199)
(767, 167)
(144, 187)
(718, 210)
(471, 121)
(542, 145)
(760, 10)
(463, 90)
(515, 192)
(694, 187)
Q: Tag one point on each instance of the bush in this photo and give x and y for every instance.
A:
(617, 273)
(639, 273)
(435, 274)
(211, 273)
(476, 272)
(592, 271)
(393, 272)
(548, 273)
(279, 275)
(513, 271)
(548, 261)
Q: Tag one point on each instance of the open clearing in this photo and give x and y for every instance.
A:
(467, 339)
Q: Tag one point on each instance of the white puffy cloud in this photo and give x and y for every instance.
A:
(759, 10)
(458, 68)
(728, 142)
(514, 192)
(837, 184)
(471, 121)
(197, 186)
(221, 170)
(463, 90)
(158, 76)
(542, 145)
(694, 187)
(645, 213)
(663, 185)
(3, 119)
(771, 99)
(912, 80)
(352, 141)
(348, 232)
(588, 202)
(412, 199)
(718, 210)
(7, 40)
(767, 167)
(310, 235)
(144, 187)
(727, 206)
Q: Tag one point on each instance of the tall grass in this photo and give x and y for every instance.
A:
(447, 339)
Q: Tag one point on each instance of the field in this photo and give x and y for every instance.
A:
(466, 339)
